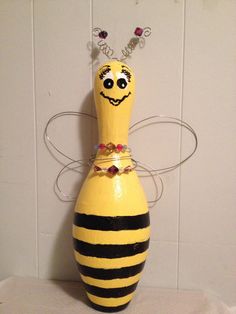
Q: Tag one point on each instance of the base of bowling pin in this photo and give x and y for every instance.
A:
(108, 309)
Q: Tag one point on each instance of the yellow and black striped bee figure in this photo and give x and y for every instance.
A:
(111, 224)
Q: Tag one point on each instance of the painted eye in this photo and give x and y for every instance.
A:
(108, 83)
(121, 82)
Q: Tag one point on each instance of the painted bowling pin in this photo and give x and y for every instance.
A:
(111, 223)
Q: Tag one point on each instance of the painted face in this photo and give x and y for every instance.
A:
(114, 83)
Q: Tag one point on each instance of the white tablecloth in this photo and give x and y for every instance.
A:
(33, 296)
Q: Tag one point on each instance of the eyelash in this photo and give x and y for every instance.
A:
(104, 72)
(127, 74)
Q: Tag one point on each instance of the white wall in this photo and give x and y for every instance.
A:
(187, 69)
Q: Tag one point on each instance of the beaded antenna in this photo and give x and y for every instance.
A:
(137, 40)
(111, 227)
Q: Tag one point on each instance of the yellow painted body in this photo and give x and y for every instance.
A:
(106, 195)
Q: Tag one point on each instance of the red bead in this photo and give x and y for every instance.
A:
(102, 146)
(119, 147)
(103, 34)
(96, 168)
(113, 170)
(138, 31)
(127, 169)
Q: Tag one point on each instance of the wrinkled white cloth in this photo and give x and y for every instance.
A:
(35, 296)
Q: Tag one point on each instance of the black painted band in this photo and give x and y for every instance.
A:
(100, 273)
(110, 293)
(109, 309)
(110, 250)
(109, 223)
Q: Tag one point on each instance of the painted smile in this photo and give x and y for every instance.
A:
(113, 101)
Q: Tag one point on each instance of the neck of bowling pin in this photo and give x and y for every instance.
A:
(113, 129)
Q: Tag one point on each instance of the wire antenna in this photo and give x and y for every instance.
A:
(137, 40)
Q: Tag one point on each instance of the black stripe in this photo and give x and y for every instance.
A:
(112, 223)
(109, 309)
(110, 250)
(100, 273)
(110, 293)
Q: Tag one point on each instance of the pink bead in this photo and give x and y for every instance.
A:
(119, 147)
(138, 31)
(113, 170)
(102, 146)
